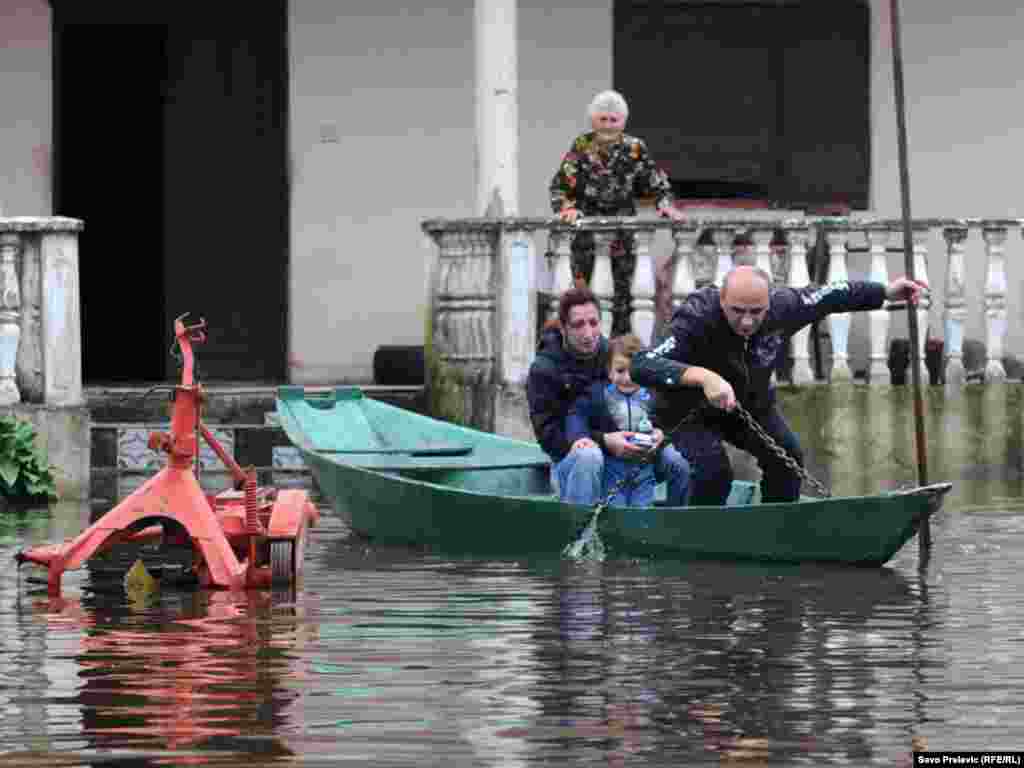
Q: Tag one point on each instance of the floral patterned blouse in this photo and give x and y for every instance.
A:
(607, 180)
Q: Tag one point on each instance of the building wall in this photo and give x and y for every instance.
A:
(396, 87)
(25, 108)
(382, 137)
(964, 116)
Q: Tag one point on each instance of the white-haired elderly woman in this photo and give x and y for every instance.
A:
(602, 174)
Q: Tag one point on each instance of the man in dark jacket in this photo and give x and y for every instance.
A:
(723, 350)
(564, 369)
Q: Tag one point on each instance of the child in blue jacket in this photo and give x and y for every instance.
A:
(621, 405)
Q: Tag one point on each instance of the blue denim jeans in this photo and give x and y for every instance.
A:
(585, 475)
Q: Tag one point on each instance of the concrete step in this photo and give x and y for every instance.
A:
(243, 420)
(225, 403)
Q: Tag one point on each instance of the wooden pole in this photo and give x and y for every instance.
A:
(925, 536)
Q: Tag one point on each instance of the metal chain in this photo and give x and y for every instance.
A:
(754, 427)
(589, 538)
(779, 451)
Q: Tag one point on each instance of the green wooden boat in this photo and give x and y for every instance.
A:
(399, 477)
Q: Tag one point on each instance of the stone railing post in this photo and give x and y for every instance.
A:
(879, 321)
(560, 239)
(30, 364)
(517, 308)
(684, 263)
(642, 288)
(705, 261)
(780, 261)
(839, 324)
(798, 277)
(763, 249)
(59, 303)
(465, 325)
(40, 313)
(724, 238)
(924, 305)
(518, 282)
(601, 282)
(956, 307)
(10, 316)
(994, 235)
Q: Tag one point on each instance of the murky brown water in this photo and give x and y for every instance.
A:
(396, 657)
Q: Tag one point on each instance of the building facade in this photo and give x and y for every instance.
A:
(270, 169)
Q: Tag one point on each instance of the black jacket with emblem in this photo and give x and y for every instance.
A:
(557, 377)
(702, 337)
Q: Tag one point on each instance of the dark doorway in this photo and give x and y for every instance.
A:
(170, 142)
(748, 99)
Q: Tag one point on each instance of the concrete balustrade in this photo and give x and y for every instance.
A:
(498, 280)
(40, 341)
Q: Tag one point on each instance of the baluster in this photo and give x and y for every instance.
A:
(705, 261)
(642, 287)
(562, 271)
(779, 259)
(724, 239)
(762, 249)
(601, 282)
(995, 301)
(920, 239)
(839, 324)
(684, 264)
(10, 316)
(955, 307)
(797, 237)
(878, 320)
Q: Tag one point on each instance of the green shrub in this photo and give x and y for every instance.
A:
(25, 472)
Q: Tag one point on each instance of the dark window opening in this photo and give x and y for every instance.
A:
(764, 102)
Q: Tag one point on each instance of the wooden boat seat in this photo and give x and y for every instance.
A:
(421, 450)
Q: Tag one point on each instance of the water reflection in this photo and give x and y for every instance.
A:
(862, 439)
(172, 671)
(396, 656)
(719, 661)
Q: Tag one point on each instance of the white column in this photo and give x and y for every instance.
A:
(802, 373)
(955, 311)
(10, 316)
(839, 324)
(995, 301)
(61, 319)
(878, 369)
(497, 112)
(642, 288)
(601, 282)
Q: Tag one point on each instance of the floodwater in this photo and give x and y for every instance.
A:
(393, 656)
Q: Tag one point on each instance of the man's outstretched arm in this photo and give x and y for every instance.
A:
(657, 369)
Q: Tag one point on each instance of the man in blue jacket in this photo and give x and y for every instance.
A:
(564, 369)
(722, 349)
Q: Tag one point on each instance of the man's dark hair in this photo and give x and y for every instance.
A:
(575, 297)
